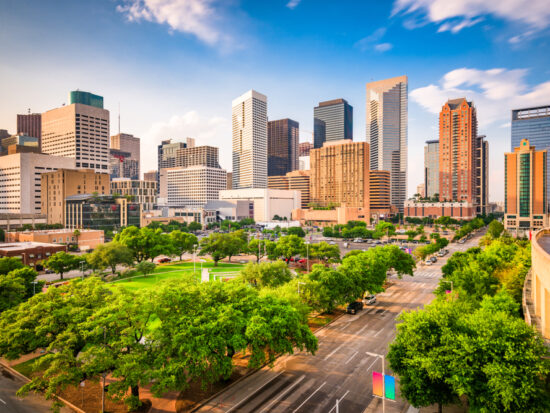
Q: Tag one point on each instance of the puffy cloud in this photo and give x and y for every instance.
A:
(292, 4)
(383, 47)
(372, 41)
(495, 92)
(196, 17)
(456, 15)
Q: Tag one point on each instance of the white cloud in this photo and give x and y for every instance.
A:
(292, 4)
(214, 131)
(455, 15)
(197, 17)
(495, 92)
(371, 41)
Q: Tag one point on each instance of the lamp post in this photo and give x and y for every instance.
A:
(82, 268)
(383, 376)
(34, 287)
(299, 282)
(307, 255)
(194, 257)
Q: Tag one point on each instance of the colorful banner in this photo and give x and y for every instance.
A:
(389, 386)
(377, 384)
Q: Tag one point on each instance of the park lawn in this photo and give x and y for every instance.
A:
(174, 271)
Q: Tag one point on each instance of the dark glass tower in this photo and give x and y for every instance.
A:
(282, 146)
(332, 121)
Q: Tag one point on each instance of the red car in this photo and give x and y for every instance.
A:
(302, 261)
(163, 260)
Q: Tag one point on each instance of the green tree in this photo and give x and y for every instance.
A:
(325, 252)
(146, 267)
(8, 264)
(145, 243)
(183, 242)
(260, 248)
(296, 231)
(289, 246)
(12, 290)
(495, 229)
(194, 226)
(110, 255)
(326, 288)
(29, 277)
(219, 246)
(266, 274)
(61, 262)
(236, 243)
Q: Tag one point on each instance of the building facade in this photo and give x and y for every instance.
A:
(304, 148)
(431, 168)
(56, 186)
(379, 190)
(455, 210)
(100, 212)
(30, 253)
(282, 146)
(537, 299)
(481, 175)
(85, 239)
(193, 186)
(533, 124)
(78, 131)
(296, 180)
(141, 192)
(340, 174)
(249, 125)
(85, 98)
(266, 203)
(525, 197)
(30, 125)
(21, 140)
(20, 180)
(128, 143)
(121, 165)
(386, 128)
(150, 176)
(332, 121)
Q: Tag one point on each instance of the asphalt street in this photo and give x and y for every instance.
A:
(10, 403)
(342, 368)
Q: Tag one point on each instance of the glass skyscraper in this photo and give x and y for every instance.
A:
(532, 124)
(332, 121)
(282, 146)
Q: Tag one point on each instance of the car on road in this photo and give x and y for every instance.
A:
(370, 299)
(433, 259)
(163, 260)
(428, 262)
(332, 242)
(461, 241)
(354, 307)
(358, 240)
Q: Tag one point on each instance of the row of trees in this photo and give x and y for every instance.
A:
(471, 342)
(17, 283)
(426, 250)
(90, 330)
(358, 229)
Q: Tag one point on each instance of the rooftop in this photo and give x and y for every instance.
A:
(544, 242)
(21, 246)
(53, 231)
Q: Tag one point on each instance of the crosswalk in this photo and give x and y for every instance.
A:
(427, 274)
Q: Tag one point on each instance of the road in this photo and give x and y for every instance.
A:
(341, 369)
(10, 403)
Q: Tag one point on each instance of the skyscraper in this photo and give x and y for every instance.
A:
(31, 125)
(282, 146)
(249, 123)
(431, 168)
(532, 124)
(128, 143)
(78, 131)
(457, 151)
(85, 98)
(166, 154)
(525, 199)
(332, 121)
(387, 133)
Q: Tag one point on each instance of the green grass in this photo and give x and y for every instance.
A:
(26, 368)
(175, 271)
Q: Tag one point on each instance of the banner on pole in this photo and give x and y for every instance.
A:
(377, 384)
(389, 387)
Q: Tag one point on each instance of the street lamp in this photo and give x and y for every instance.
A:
(82, 268)
(34, 287)
(307, 254)
(194, 257)
(383, 380)
(299, 282)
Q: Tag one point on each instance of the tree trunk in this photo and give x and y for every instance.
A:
(215, 263)
(439, 408)
(60, 275)
(230, 258)
(135, 391)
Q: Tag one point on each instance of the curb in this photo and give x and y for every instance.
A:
(26, 380)
(205, 401)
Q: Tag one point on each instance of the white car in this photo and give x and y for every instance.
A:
(370, 299)
(428, 262)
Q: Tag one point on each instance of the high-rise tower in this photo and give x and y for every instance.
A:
(332, 121)
(282, 146)
(249, 122)
(387, 133)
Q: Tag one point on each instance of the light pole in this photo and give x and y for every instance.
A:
(82, 268)
(307, 255)
(383, 376)
(34, 287)
(194, 257)
(299, 282)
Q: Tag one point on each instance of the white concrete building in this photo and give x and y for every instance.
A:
(20, 181)
(249, 123)
(266, 202)
(191, 187)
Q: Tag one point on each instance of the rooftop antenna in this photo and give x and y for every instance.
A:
(29, 111)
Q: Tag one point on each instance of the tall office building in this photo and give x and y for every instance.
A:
(304, 148)
(431, 168)
(150, 176)
(121, 165)
(532, 124)
(31, 125)
(141, 192)
(332, 121)
(379, 190)
(128, 143)
(387, 133)
(525, 196)
(457, 151)
(282, 146)
(85, 98)
(58, 185)
(339, 174)
(295, 180)
(481, 175)
(249, 124)
(167, 151)
(78, 131)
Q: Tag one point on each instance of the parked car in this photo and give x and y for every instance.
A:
(332, 243)
(433, 259)
(358, 240)
(354, 307)
(302, 261)
(428, 262)
(370, 299)
(461, 241)
(48, 271)
(163, 260)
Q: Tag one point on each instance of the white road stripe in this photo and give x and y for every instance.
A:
(309, 397)
(372, 364)
(339, 400)
(354, 354)
(261, 387)
(276, 399)
(2, 401)
(333, 351)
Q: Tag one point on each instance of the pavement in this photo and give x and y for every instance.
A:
(10, 403)
(342, 368)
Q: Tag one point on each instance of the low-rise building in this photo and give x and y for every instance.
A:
(536, 294)
(30, 253)
(266, 203)
(141, 192)
(85, 239)
(328, 217)
(296, 180)
(455, 210)
(11, 221)
(100, 212)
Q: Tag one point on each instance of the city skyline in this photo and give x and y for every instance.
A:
(165, 96)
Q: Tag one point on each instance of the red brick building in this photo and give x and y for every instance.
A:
(31, 253)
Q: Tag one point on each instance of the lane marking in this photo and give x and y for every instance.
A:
(379, 331)
(260, 388)
(310, 396)
(3, 401)
(333, 351)
(354, 354)
(276, 399)
(339, 400)
(372, 364)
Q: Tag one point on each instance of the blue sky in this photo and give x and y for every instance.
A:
(175, 65)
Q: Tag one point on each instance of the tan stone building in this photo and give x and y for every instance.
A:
(142, 192)
(379, 190)
(525, 199)
(85, 239)
(150, 176)
(298, 180)
(536, 295)
(57, 186)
